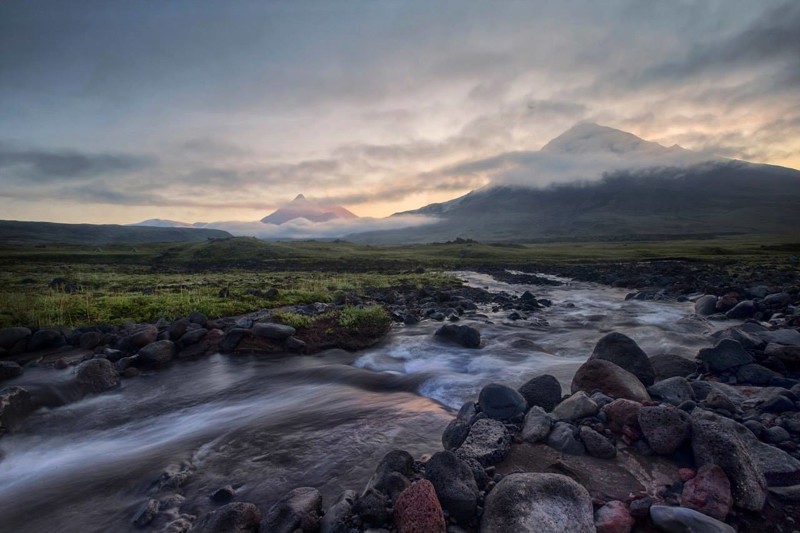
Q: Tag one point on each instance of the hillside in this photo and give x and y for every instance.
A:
(16, 232)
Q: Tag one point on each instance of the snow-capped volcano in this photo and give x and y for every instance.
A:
(301, 207)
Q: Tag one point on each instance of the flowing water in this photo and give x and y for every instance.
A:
(268, 425)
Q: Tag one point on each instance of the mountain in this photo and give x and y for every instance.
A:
(163, 223)
(15, 232)
(636, 190)
(301, 207)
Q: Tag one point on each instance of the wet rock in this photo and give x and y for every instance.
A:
(776, 435)
(146, 514)
(610, 379)
(501, 402)
(15, 405)
(718, 440)
(670, 366)
(706, 305)
(9, 370)
(777, 404)
(778, 467)
(417, 510)
(577, 406)
(488, 442)
(466, 336)
(756, 374)
(157, 354)
(272, 331)
(664, 427)
(543, 391)
(458, 429)
(10, 337)
(564, 438)
(192, 337)
(596, 444)
(674, 390)
(621, 413)
(613, 517)
(717, 400)
(625, 353)
(531, 503)
(45, 338)
(196, 317)
(337, 517)
(683, 520)
(232, 339)
(537, 425)
(742, 310)
(293, 344)
(392, 473)
(139, 339)
(301, 508)
(96, 375)
(90, 340)
(789, 355)
(178, 328)
(708, 492)
(371, 507)
(725, 355)
(236, 517)
(454, 484)
(777, 299)
(223, 494)
(641, 508)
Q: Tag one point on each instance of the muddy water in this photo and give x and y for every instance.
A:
(269, 425)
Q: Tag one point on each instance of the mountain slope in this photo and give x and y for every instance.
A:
(301, 207)
(16, 232)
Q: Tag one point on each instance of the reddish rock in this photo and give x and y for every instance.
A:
(610, 379)
(727, 301)
(613, 517)
(621, 413)
(708, 492)
(417, 510)
(685, 474)
(61, 363)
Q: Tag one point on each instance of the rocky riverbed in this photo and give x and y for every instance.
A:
(685, 413)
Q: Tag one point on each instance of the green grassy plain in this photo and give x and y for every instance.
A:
(232, 276)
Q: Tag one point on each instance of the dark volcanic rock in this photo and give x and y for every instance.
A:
(10, 337)
(45, 338)
(488, 442)
(532, 503)
(301, 509)
(624, 352)
(621, 413)
(756, 374)
(146, 514)
(544, 391)
(665, 427)
(564, 438)
(683, 520)
(236, 517)
(742, 310)
(458, 429)
(706, 305)
(90, 340)
(672, 390)
(537, 425)
(577, 406)
(232, 339)
(338, 515)
(670, 365)
(417, 510)
(15, 405)
(466, 336)
(721, 441)
(726, 354)
(157, 353)
(97, 375)
(273, 331)
(9, 369)
(596, 444)
(610, 379)
(454, 484)
(501, 402)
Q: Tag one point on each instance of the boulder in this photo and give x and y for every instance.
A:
(15, 405)
(96, 375)
(577, 406)
(613, 517)
(725, 355)
(564, 438)
(624, 352)
(272, 331)
(778, 467)
(621, 413)
(501, 402)
(139, 339)
(789, 355)
(236, 517)
(371, 507)
(9, 370)
(671, 365)
(232, 339)
(777, 300)
(455, 485)
(392, 473)
(196, 317)
(537, 425)
(708, 492)
(664, 427)
(146, 513)
(596, 444)
(90, 340)
(45, 338)
(178, 328)
(610, 379)
(338, 515)
(683, 520)
(742, 310)
(466, 336)
(10, 337)
(706, 305)
(458, 429)
(488, 442)
(756, 374)
(157, 353)
(532, 503)
(718, 401)
(674, 390)
(544, 391)
(721, 441)
(301, 508)
(417, 510)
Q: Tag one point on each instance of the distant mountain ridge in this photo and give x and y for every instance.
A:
(18, 232)
(647, 189)
(301, 207)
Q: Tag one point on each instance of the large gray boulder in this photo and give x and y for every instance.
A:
(537, 425)
(488, 442)
(157, 353)
(610, 379)
(532, 503)
(272, 331)
(674, 390)
(458, 428)
(454, 484)
(544, 391)
(665, 427)
(725, 355)
(706, 305)
(624, 352)
(466, 336)
(96, 375)
(683, 520)
(577, 406)
(10, 337)
(501, 402)
(671, 365)
(721, 441)
(301, 509)
(596, 444)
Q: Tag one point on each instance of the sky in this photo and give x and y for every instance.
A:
(119, 111)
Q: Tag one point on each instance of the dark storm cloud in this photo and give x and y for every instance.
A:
(45, 166)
